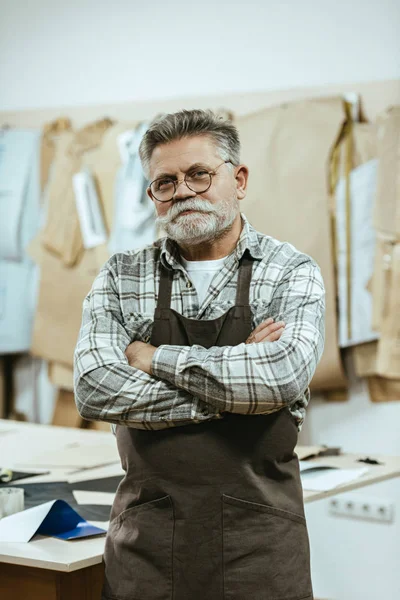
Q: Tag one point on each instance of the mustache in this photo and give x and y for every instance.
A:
(179, 207)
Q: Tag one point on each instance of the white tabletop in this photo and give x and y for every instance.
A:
(64, 451)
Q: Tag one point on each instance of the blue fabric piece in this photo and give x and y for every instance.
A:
(65, 523)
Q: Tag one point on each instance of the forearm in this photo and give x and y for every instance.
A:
(107, 388)
(119, 394)
(248, 378)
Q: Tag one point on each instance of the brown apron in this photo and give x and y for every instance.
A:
(214, 510)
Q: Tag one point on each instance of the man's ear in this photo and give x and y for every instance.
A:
(150, 195)
(242, 176)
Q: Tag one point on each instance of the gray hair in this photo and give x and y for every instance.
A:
(185, 123)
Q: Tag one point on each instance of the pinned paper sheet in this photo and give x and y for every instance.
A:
(89, 212)
(85, 497)
(55, 519)
(361, 254)
(317, 477)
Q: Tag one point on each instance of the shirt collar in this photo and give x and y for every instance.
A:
(248, 240)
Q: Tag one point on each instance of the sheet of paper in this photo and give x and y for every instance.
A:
(96, 473)
(88, 207)
(102, 524)
(308, 466)
(52, 476)
(22, 526)
(67, 449)
(322, 480)
(76, 455)
(55, 518)
(84, 497)
(304, 451)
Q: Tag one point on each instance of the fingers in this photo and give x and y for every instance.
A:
(262, 325)
(267, 331)
(271, 333)
(274, 336)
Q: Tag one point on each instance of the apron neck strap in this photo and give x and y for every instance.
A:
(165, 289)
(244, 278)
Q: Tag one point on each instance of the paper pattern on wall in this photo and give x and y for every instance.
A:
(287, 149)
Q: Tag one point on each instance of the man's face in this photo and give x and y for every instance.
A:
(191, 217)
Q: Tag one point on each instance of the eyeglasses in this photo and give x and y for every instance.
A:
(198, 180)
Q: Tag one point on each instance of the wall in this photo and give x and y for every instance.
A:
(86, 52)
(353, 559)
(89, 51)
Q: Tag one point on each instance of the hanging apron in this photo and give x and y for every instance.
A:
(214, 510)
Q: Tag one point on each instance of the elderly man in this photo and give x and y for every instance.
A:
(200, 349)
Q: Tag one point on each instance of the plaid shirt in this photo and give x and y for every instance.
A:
(191, 384)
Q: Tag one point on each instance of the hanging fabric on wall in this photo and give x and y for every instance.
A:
(134, 220)
(20, 212)
(380, 361)
(19, 191)
(62, 289)
(59, 309)
(387, 209)
(62, 234)
(355, 236)
(103, 162)
(50, 133)
(386, 281)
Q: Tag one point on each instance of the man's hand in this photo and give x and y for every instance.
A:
(268, 331)
(140, 355)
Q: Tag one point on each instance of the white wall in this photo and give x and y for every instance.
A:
(92, 52)
(352, 559)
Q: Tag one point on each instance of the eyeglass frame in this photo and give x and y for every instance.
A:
(177, 182)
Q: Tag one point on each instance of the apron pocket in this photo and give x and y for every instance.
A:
(138, 553)
(265, 552)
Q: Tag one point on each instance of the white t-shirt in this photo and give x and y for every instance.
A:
(201, 273)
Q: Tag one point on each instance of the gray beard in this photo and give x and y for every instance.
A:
(209, 224)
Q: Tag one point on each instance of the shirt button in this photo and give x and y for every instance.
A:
(189, 284)
(147, 338)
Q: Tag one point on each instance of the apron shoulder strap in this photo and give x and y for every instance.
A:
(244, 278)
(165, 289)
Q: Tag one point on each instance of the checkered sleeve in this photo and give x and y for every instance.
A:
(107, 388)
(260, 377)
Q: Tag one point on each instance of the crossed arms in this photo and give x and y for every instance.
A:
(174, 385)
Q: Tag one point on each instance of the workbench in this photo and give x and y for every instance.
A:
(52, 569)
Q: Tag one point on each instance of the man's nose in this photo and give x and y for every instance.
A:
(182, 191)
